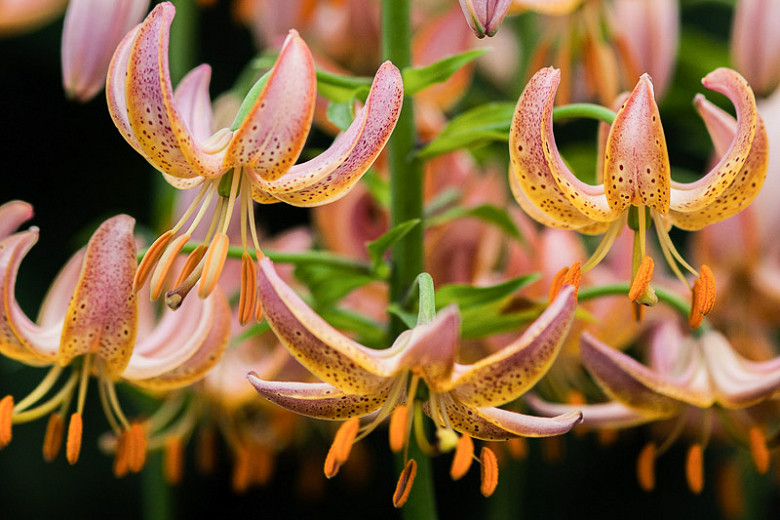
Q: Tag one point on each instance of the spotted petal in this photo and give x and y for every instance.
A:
(332, 174)
(320, 400)
(495, 424)
(510, 372)
(102, 317)
(696, 195)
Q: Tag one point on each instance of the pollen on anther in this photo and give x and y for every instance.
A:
(489, 473)
(645, 467)
(173, 459)
(399, 422)
(73, 444)
(404, 486)
(6, 420)
(758, 449)
(694, 468)
(52, 439)
(464, 455)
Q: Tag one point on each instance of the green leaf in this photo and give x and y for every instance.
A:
(417, 79)
(328, 283)
(341, 114)
(379, 247)
(475, 127)
(377, 187)
(369, 332)
(342, 88)
(467, 296)
(486, 212)
(483, 321)
(408, 318)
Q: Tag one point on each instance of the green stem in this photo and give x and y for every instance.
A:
(583, 111)
(406, 203)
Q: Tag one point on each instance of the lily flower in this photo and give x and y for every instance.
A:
(90, 321)
(635, 177)
(484, 16)
(359, 381)
(755, 44)
(92, 30)
(687, 380)
(254, 159)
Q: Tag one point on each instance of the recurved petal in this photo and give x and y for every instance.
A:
(192, 99)
(319, 400)
(538, 169)
(602, 415)
(755, 43)
(627, 381)
(687, 197)
(738, 382)
(272, 136)
(21, 339)
(495, 424)
(102, 317)
(12, 215)
(332, 174)
(116, 91)
(326, 352)
(636, 162)
(510, 372)
(156, 121)
(164, 353)
(745, 186)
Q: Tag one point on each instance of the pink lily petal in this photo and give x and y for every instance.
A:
(629, 382)
(21, 339)
(116, 89)
(495, 424)
(319, 400)
(103, 314)
(272, 136)
(91, 32)
(210, 338)
(765, 205)
(18, 16)
(192, 98)
(332, 174)
(636, 168)
(510, 372)
(484, 16)
(538, 169)
(755, 43)
(155, 119)
(12, 215)
(55, 303)
(695, 195)
(602, 415)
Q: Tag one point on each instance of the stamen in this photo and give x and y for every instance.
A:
(557, 283)
(464, 455)
(213, 264)
(173, 460)
(52, 439)
(604, 246)
(193, 259)
(446, 439)
(262, 464)
(242, 470)
(645, 467)
(150, 259)
(6, 420)
(702, 298)
(259, 314)
(404, 486)
(518, 448)
(566, 276)
(248, 293)
(342, 445)
(694, 468)
(160, 275)
(489, 473)
(136, 448)
(670, 252)
(73, 445)
(640, 291)
(758, 449)
(42, 389)
(120, 455)
(207, 450)
(399, 426)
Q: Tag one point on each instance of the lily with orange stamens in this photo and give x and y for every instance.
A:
(254, 158)
(358, 381)
(689, 381)
(635, 177)
(90, 322)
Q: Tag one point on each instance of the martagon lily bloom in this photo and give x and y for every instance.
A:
(688, 380)
(91, 322)
(359, 381)
(635, 176)
(254, 159)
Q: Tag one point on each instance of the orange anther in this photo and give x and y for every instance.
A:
(518, 447)
(206, 455)
(464, 455)
(52, 439)
(165, 264)
(173, 460)
(573, 276)
(758, 449)
(242, 470)
(150, 259)
(645, 467)
(342, 445)
(73, 444)
(640, 291)
(399, 422)
(575, 398)
(404, 486)
(248, 293)
(136, 448)
(552, 449)
(557, 283)
(193, 259)
(120, 456)
(262, 464)
(213, 264)
(6, 420)
(694, 468)
(259, 314)
(489, 473)
(702, 298)
(607, 436)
